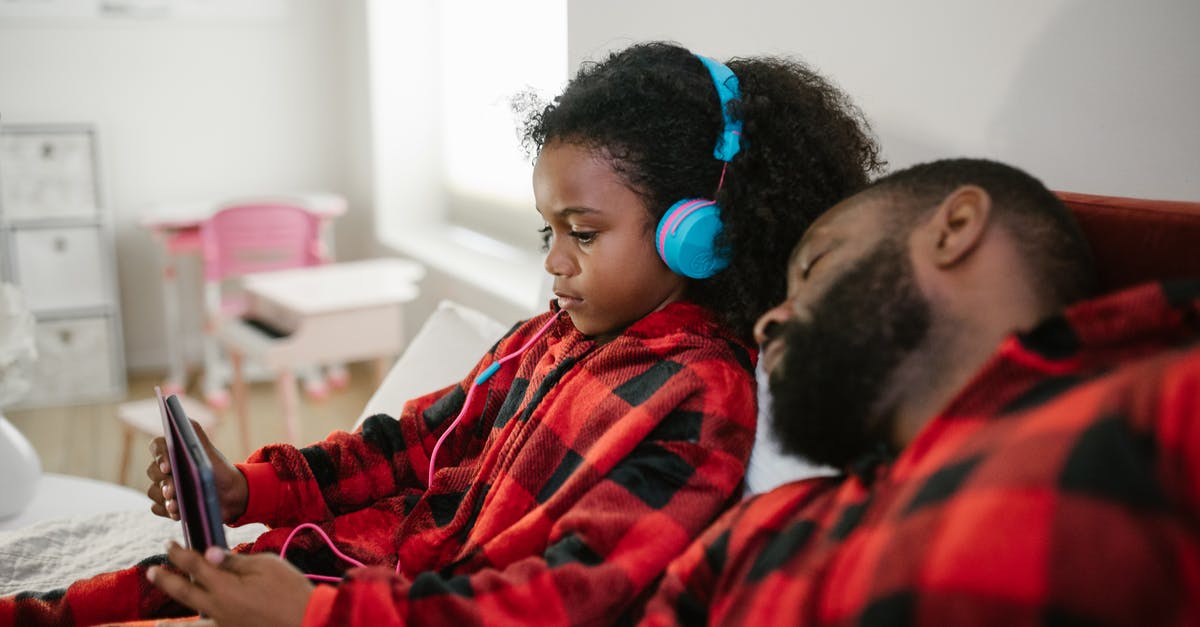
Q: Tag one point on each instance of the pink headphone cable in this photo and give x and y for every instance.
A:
(484, 376)
(332, 547)
(721, 183)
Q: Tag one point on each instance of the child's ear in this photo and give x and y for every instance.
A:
(958, 225)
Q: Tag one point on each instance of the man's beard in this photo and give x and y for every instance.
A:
(827, 387)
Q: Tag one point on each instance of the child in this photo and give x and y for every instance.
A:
(593, 442)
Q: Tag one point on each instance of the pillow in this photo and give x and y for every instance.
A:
(442, 352)
(769, 466)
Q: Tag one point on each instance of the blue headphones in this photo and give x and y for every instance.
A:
(687, 233)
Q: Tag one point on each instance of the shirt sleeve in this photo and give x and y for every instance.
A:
(689, 585)
(617, 537)
(347, 471)
(1176, 412)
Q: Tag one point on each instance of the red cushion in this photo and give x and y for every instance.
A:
(1136, 240)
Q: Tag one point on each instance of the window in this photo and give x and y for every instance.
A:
(490, 52)
(451, 180)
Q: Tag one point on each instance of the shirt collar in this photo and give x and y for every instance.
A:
(1088, 337)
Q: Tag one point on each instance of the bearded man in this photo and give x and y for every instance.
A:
(1013, 450)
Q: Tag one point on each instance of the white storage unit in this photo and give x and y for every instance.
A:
(57, 247)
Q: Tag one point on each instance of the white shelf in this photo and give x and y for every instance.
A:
(57, 248)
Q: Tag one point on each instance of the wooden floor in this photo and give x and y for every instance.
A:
(86, 440)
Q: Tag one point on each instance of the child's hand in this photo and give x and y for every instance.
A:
(235, 589)
(232, 491)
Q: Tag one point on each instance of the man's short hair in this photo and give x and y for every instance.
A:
(1044, 228)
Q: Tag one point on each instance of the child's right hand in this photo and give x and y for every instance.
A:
(232, 490)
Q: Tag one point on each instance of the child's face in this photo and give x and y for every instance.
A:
(607, 273)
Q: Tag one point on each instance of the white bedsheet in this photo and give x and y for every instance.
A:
(54, 553)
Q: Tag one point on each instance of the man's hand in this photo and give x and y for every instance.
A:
(234, 589)
(232, 491)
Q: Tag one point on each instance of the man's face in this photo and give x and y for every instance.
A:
(853, 313)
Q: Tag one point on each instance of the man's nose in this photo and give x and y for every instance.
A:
(768, 324)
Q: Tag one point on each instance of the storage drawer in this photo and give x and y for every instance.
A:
(61, 268)
(47, 175)
(75, 362)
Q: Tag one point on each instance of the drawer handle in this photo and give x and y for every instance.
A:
(60, 244)
(65, 335)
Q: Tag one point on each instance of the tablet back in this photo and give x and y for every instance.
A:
(192, 474)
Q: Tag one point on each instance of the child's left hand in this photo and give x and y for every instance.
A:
(235, 589)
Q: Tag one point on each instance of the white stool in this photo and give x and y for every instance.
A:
(143, 416)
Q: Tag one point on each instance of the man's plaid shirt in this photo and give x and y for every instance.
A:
(579, 474)
(1060, 487)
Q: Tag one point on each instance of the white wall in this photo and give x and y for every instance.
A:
(200, 109)
(1096, 96)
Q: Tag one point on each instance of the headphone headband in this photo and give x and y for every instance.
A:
(687, 233)
(726, 82)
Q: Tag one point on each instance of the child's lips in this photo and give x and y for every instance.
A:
(568, 301)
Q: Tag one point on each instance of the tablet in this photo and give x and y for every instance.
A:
(192, 474)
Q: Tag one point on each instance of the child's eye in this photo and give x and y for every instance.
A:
(584, 237)
(546, 235)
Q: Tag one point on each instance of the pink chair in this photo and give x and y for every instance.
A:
(245, 238)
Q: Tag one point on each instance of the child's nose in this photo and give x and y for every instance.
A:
(557, 263)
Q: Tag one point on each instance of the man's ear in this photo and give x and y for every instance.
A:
(958, 224)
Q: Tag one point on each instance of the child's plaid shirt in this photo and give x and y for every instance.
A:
(580, 472)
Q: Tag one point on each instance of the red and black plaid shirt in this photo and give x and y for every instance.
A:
(1060, 487)
(579, 474)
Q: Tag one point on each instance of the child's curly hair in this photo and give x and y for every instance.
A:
(653, 111)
